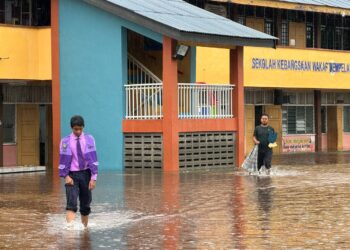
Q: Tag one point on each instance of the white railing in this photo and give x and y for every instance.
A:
(198, 101)
(138, 73)
(144, 101)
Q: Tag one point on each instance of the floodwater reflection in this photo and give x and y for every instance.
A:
(297, 206)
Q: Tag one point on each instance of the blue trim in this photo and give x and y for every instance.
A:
(193, 64)
(125, 79)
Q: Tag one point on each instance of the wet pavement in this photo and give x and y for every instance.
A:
(299, 206)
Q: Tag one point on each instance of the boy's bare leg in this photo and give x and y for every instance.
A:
(85, 220)
(70, 216)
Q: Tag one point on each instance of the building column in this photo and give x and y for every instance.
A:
(1, 129)
(318, 121)
(340, 127)
(55, 85)
(236, 78)
(170, 107)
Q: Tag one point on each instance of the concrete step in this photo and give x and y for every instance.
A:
(21, 169)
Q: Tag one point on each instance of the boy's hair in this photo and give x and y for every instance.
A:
(77, 120)
(264, 115)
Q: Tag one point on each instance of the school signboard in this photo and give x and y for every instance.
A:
(296, 68)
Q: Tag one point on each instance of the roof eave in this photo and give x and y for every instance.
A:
(290, 6)
(209, 40)
(222, 41)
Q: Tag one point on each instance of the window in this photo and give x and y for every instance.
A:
(298, 98)
(300, 17)
(335, 32)
(217, 9)
(346, 118)
(346, 41)
(333, 98)
(260, 12)
(298, 113)
(241, 20)
(284, 15)
(284, 33)
(25, 12)
(310, 35)
(240, 10)
(330, 33)
(269, 13)
(259, 97)
(298, 120)
(198, 3)
(269, 27)
(250, 11)
(310, 16)
(346, 38)
(338, 43)
(324, 43)
(9, 123)
(292, 15)
(2, 11)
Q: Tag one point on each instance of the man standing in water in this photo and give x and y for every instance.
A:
(79, 167)
(261, 138)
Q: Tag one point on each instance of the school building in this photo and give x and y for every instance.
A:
(129, 68)
(25, 83)
(170, 85)
(304, 83)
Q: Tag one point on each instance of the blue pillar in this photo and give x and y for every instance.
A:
(193, 64)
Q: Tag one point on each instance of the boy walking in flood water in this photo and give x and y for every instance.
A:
(262, 135)
(79, 168)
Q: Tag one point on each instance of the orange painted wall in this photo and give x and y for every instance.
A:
(56, 110)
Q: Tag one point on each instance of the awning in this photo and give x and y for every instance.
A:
(185, 22)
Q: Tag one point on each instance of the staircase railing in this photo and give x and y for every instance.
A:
(139, 73)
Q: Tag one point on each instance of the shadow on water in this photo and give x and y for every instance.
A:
(297, 206)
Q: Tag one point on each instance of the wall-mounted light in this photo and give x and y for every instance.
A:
(180, 52)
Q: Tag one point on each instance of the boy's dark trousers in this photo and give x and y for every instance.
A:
(80, 189)
(264, 158)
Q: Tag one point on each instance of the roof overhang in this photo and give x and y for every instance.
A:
(191, 38)
(290, 6)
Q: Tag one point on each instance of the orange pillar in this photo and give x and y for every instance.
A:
(170, 107)
(171, 231)
(236, 78)
(238, 211)
(55, 86)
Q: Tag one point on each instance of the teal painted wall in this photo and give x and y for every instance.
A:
(93, 71)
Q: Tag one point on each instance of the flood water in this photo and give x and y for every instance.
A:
(299, 206)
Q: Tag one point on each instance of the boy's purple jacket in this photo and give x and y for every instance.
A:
(66, 156)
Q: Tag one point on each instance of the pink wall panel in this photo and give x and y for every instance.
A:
(324, 142)
(346, 141)
(10, 155)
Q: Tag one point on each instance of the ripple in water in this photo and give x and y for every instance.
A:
(274, 172)
(97, 221)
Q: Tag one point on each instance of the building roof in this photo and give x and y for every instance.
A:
(185, 22)
(339, 7)
(344, 4)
